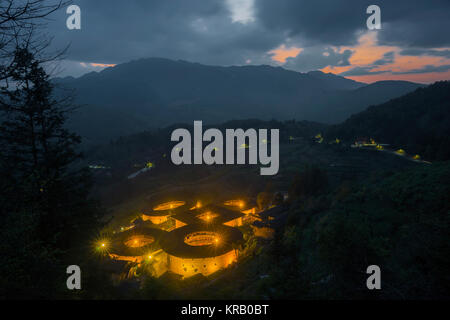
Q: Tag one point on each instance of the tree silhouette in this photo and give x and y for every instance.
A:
(42, 182)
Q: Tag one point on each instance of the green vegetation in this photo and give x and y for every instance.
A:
(351, 209)
(325, 239)
(117, 101)
(47, 218)
(418, 122)
(399, 222)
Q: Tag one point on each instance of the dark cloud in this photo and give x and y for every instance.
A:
(315, 22)
(203, 31)
(421, 24)
(364, 71)
(426, 52)
(360, 71)
(426, 69)
(388, 57)
(313, 58)
(195, 30)
(404, 22)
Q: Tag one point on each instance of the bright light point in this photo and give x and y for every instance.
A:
(149, 257)
(102, 246)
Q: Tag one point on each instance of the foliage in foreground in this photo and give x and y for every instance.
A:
(46, 216)
(399, 222)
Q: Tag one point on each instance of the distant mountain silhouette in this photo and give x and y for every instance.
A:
(418, 122)
(336, 82)
(156, 92)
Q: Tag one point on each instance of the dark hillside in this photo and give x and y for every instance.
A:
(418, 122)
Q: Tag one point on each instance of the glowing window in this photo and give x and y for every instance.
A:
(139, 241)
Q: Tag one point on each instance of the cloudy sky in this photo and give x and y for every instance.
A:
(302, 35)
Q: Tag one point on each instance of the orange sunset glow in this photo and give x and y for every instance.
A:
(97, 65)
(281, 53)
(367, 52)
(103, 65)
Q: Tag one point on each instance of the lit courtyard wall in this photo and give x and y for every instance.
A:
(264, 232)
(137, 259)
(179, 224)
(187, 267)
(160, 264)
(155, 219)
(234, 223)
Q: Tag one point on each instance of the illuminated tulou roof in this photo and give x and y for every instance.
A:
(177, 242)
(136, 241)
(166, 208)
(219, 214)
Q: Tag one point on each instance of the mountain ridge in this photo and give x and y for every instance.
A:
(418, 122)
(160, 91)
